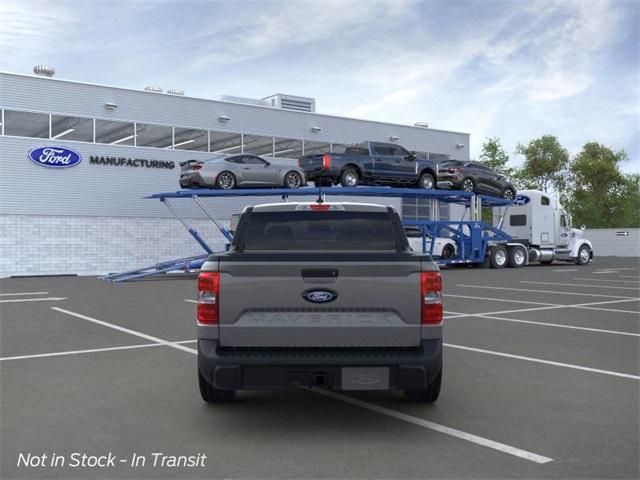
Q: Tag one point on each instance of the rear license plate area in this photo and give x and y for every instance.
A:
(365, 378)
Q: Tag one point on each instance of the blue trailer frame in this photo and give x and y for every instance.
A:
(472, 237)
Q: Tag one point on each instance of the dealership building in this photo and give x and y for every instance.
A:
(92, 217)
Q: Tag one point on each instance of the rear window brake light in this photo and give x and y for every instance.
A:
(320, 207)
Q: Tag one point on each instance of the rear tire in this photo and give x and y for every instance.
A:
(427, 181)
(448, 251)
(210, 394)
(426, 395)
(226, 180)
(468, 185)
(517, 257)
(499, 257)
(349, 178)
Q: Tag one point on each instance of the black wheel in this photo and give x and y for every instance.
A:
(508, 194)
(517, 257)
(349, 178)
(293, 179)
(426, 395)
(448, 251)
(226, 180)
(584, 255)
(499, 257)
(427, 181)
(212, 395)
(468, 185)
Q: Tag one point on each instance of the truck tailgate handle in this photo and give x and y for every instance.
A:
(320, 275)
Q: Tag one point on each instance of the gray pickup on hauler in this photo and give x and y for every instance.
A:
(319, 294)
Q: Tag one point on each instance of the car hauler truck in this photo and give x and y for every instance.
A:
(532, 228)
(539, 222)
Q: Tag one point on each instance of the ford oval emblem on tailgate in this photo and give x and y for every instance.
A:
(55, 157)
(319, 296)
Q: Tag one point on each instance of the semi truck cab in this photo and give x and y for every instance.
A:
(538, 221)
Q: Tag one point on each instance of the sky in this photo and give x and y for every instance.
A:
(509, 69)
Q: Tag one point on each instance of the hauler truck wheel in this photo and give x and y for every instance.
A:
(517, 257)
(584, 255)
(210, 394)
(499, 257)
(426, 395)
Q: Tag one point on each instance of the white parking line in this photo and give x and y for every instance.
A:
(544, 324)
(190, 301)
(20, 300)
(469, 437)
(567, 270)
(604, 280)
(552, 306)
(126, 330)
(408, 418)
(23, 293)
(91, 350)
(531, 290)
(546, 362)
(628, 276)
(581, 285)
(500, 300)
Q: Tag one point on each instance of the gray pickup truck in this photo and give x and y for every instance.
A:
(320, 294)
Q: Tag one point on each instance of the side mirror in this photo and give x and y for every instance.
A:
(266, 164)
(412, 156)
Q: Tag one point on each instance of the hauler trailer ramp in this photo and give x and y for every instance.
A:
(475, 242)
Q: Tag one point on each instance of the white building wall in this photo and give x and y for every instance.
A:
(92, 219)
(613, 241)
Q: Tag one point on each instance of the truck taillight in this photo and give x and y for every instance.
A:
(209, 298)
(430, 298)
(326, 162)
(454, 170)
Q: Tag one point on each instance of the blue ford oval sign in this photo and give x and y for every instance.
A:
(319, 296)
(55, 157)
(521, 200)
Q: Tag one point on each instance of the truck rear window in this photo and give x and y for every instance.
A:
(312, 230)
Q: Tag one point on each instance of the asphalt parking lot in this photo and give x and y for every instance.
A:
(541, 380)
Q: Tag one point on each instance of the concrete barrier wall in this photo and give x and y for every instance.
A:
(614, 242)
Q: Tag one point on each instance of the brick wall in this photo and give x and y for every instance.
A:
(43, 245)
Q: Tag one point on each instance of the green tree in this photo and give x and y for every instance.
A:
(494, 156)
(545, 164)
(600, 195)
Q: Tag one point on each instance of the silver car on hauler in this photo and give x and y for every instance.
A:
(241, 170)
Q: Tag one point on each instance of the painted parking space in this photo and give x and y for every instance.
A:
(519, 400)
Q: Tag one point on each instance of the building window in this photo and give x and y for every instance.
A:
(258, 145)
(71, 128)
(114, 133)
(287, 148)
(438, 157)
(190, 139)
(315, 148)
(225, 142)
(157, 136)
(26, 124)
(415, 209)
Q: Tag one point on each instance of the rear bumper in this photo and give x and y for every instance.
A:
(267, 368)
(190, 180)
